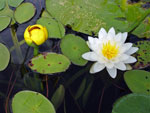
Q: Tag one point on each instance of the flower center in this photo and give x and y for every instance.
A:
(110, 50)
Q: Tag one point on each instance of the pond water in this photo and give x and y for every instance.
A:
(100, 91)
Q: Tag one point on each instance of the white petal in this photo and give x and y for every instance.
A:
(127, 46)
(96, 67)
(112, 72)
(124, 57)
(91, 56)
(118, 37)
(124, 37)
(120, 66)
(132, 50)
(102, 33)
(111, 31)
(91, 39)
(109, 65)
(131, 59)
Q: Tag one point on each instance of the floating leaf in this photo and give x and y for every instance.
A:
(4, 22)
(15, 3)
(73, 47)
(58, 96)
(49, 63)
(2, 4)
(4, 57)
(31, 102)
(89, 16)
(55, 28)
(24, 12)
(132, 103)
(138, 81)
(142, 55)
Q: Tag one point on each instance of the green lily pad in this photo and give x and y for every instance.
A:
(73, 47)
(4, 22)
(4, 57)
(138, 81)
(58, 96)
(89, 16)
(49, 63)
(24, 12)
(132, 103)
(142, 55)
(31, 102)
(2, 4)
(15, 3)
(55, 28)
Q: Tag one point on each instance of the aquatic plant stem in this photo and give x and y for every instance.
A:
(101, 98)
(16, 43)
(47, 91)
(36, 51)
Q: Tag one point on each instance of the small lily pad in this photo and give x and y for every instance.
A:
(73, 47)
(15, 3)
(49, 63)
(31, 102)
(4, 22)
(138, 81)
(4, 57)
(2, 4)
(142, 55)
(55, 28)
(132, 103)
(24, 12)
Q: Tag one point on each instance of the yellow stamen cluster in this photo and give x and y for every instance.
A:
(110, 50)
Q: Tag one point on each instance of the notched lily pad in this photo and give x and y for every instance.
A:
(132, 103)
(31, 102)
(138, 81)
(24, 12)
(55, 28)
(142, 55)
(49, 63)
(4, 57)
(73, 47)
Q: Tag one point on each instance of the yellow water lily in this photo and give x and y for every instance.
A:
(35, 35)
(110, 50)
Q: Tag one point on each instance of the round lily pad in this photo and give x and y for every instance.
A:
(2, 4)
(31, 102)
(138, 81)
(24, 12)
(132, 103)
(4, 22)
(49, 63)
(55, 28)
(4, 57)
(15, 3)
(73, 47)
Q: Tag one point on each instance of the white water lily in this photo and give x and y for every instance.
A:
(110, 50)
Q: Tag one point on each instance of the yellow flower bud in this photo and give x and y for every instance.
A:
(35, 35)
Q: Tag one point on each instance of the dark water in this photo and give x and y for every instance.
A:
(102, 84)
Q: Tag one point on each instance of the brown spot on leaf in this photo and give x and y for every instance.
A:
(48, 64)
(59, 63)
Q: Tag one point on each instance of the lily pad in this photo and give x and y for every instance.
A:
(15, 3)
(4, 22)
(24, 12)
(4, 57)
(55, 28)
(132, 103)
(49, 63)
(138, 81)
(142, 55)
(89, 16)
(73, 47)
(2, 4)
(31, 102)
